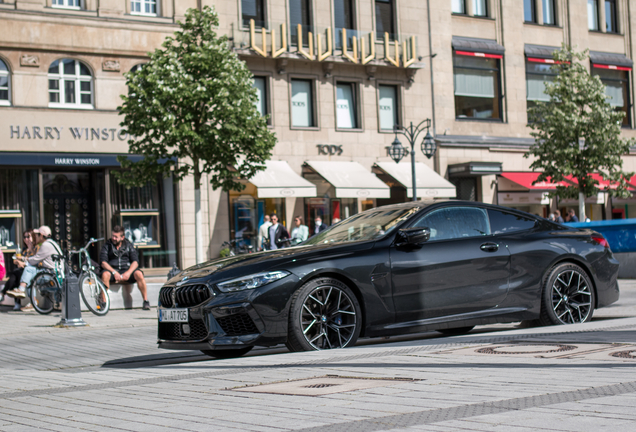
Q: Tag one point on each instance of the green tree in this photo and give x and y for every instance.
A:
(191, 111)
(577, 132)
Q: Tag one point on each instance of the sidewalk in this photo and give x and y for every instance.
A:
(110, 376)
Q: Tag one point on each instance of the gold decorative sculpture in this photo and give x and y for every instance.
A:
(363, 57)
(387, 55)
(321, 55)
(253, 46)
(283, 37)
(405, 53)
(308, 55)
(354, 42)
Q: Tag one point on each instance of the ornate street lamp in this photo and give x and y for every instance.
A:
(397, 151)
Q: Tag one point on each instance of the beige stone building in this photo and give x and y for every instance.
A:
(333, 76)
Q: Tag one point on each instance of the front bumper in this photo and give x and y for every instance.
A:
(234, 320)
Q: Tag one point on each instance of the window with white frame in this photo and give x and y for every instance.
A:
(4, 84)
(70, 84)
(143, 7)
(346, 106)
(302, 103)
(69, 4)
(260, 84)
(388, 107)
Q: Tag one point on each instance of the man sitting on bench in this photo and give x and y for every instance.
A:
(120, 263)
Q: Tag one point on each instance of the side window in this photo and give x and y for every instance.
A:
(504, 223)
(456, 222)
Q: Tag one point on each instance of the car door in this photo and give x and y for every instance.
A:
(459, 269)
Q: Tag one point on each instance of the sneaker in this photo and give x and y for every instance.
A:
(28, 308)
(16, 293)
(146, 305)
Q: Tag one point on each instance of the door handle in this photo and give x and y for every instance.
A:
(489, 247)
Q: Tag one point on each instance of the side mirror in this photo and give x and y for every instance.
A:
(413, 236)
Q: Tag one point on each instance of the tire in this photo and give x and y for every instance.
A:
(94, 294)
(227, 353)
(42, 292)
(324, 314)
(455, 331)
(568, 296)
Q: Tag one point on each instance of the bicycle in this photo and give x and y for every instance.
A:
(45, 291)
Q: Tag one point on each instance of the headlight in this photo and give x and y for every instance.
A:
(251, 281)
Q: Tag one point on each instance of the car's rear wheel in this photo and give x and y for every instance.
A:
(227, 353)
(568, 296)
(324, 314)
(456, 331)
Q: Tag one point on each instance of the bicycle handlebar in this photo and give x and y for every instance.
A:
(91, 241)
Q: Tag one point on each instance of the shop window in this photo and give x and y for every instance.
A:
(302, 103)
(548, 12)
(248, 214)
(388, 107)
(253, 10)
(536, 76)
(300, 13)
(458, 6)
(19, 191)
(260, 84)
(346, 106)
(477, 87)
(592, 14)
(529, 11)
(148, 217)
(385, 18)
(344, 18)
(342, 208)
(616, 89)
(143, 7)
(70, 84)
(480, 8)
(610, 16)
(4, 84)
(67, 4)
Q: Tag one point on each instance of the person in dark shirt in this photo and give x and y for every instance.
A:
(557, 217)
(572, 216)
(120, 263)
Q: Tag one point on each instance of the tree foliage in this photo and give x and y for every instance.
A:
(191, 110)
(577, 131)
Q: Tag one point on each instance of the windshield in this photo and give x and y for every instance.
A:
(368, 225)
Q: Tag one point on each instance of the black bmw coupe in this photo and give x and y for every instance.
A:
(405, 268)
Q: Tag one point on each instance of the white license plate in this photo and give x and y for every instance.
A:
(173, 315)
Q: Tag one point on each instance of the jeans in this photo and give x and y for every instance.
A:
(28, 274)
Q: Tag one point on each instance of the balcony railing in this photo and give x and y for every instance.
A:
(322, 44)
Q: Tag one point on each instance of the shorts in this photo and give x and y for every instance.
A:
(130, 280)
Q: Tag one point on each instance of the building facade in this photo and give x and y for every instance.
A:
(333, 77)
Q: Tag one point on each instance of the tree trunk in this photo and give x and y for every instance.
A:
(581, 207)
(198, 219)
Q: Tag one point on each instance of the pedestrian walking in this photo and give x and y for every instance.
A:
(277, 233)
(572, 218)
(318, 225)
(263, 233)
(300, 233)
(557, 217)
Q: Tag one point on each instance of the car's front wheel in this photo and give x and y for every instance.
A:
(568, 296)
(324, 314)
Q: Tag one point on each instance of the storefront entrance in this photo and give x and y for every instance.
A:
(68, 207)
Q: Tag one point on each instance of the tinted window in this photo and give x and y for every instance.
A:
(455, 222)
(504, 223)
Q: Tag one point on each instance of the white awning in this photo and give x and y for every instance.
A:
(429, 184)
(279, 180)
(351, 180)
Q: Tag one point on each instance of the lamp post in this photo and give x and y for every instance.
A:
(428, 146)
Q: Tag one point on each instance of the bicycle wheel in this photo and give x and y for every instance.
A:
(42, 292)
(94, 294)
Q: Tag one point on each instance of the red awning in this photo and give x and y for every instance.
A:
(479, 54)
(525, 179)
(613, 67)
(602, 183)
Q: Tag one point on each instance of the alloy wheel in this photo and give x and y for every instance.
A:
(328, 318)
(571, 297)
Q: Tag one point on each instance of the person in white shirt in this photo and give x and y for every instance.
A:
(300, 233)
(262, 232)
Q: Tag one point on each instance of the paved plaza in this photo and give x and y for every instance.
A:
(111, 376)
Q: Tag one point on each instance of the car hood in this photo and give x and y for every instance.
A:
(241, 265)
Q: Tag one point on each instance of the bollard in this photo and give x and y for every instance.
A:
(71, 308)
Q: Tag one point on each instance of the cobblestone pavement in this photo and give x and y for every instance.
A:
(111, 376)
